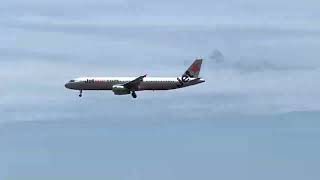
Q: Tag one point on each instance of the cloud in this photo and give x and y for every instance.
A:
(217, 56)
(13, 54)
(216, 60)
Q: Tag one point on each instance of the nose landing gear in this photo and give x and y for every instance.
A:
(80, 95)
(134, 95)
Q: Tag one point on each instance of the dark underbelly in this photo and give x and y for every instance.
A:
(143, 86)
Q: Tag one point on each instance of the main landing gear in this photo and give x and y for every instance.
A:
(80, 95)
(134, 95)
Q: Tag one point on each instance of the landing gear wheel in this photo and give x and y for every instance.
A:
(134, 95)
(80, 95)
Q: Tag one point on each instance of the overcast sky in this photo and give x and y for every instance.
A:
(256, 117)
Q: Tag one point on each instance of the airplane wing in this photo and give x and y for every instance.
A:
(132, 85)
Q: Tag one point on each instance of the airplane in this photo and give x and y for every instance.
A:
(129, 85)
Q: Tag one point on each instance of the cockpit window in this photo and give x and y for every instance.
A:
(72, 81)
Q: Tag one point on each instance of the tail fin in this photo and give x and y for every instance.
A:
(194, 69)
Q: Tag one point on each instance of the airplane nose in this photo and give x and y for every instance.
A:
(67, 85)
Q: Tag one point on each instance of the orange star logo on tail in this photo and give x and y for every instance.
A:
(196, 68)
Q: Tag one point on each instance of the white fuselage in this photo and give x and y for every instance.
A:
(148, 83)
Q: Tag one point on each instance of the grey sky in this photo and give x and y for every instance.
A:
(255, 116)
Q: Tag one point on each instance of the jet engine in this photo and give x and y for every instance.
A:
(120, 90)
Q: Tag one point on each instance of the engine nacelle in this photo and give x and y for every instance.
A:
(120, 90)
